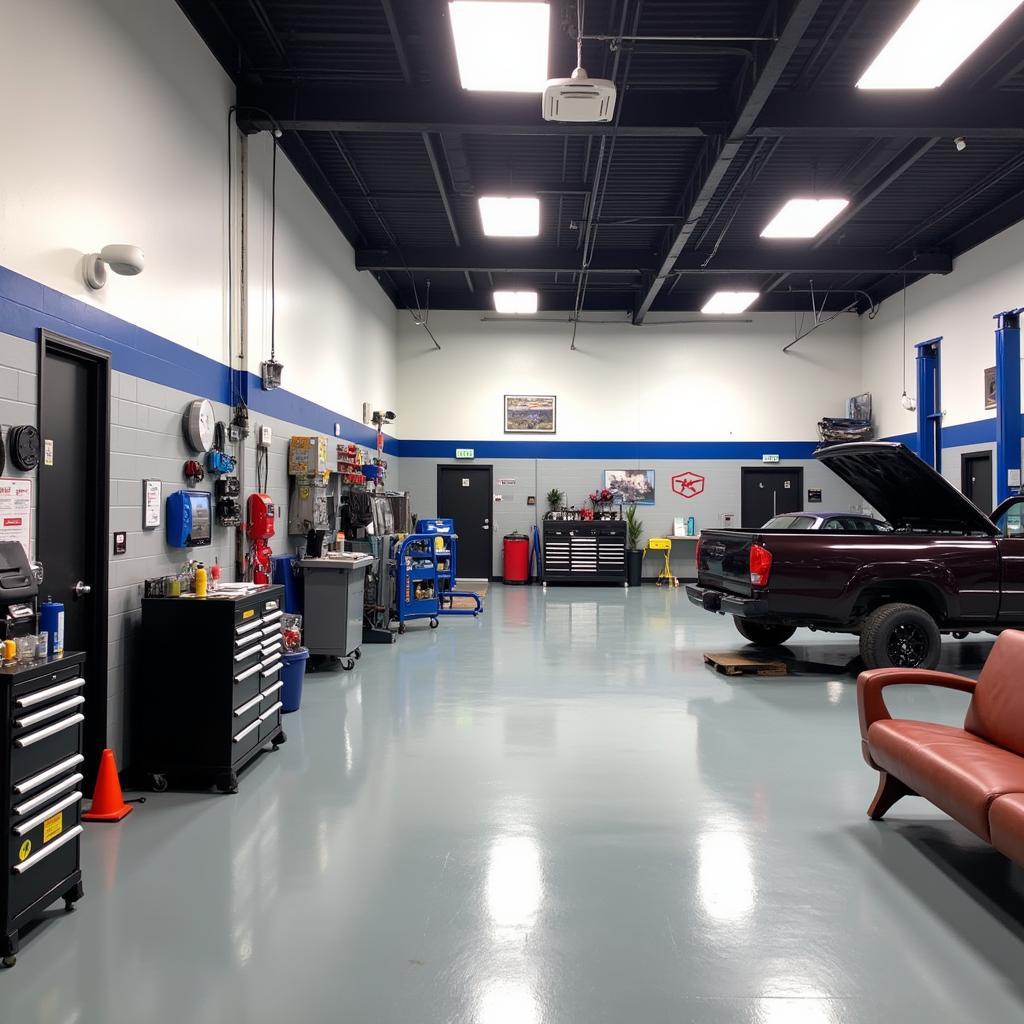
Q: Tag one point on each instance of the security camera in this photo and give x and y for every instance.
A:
(379, 418)
(126, 260)
(961, 143)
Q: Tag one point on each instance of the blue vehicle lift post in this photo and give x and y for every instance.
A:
(1008, 432)
(929, 403)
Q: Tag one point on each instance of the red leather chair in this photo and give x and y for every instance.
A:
(974, 774)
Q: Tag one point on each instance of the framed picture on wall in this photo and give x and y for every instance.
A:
(990, 388)
(529, 414)
(631, 486)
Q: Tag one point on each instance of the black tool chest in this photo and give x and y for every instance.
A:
(207, 698)
(42, 772)
(576, 551)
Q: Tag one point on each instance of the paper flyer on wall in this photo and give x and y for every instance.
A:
(16, 511)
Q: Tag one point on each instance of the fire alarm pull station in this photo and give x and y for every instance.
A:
(260, 529)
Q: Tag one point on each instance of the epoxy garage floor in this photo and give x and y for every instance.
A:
(553, 814)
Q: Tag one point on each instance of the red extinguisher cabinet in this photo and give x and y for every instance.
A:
(517, 558)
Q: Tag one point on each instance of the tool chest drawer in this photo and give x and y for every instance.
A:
(198, 715)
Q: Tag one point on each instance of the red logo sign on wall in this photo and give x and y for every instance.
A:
(688, 485)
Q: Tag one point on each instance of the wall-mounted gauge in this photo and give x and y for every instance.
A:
(199, 424)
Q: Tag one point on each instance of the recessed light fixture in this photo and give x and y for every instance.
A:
(729, 302)
(936, 38)
(501, 47)
(803, 218)
(510, 216)
(515, 302)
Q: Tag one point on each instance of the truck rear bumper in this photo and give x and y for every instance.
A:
(726, 603)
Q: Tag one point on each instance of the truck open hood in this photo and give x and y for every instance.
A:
(906, 491)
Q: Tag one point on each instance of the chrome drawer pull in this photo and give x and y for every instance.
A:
(44, 776)
(248, 627)
(266, 714)
(27, 826)
(56, 709)
(272, 644)
(51, 691)
(248, 672)
(49, 794)
(50, 730)
(267, 673)
(248, 652)
(20, 869)
(245, 732)
(272, 689)
(273, 659)
(272, 629)
(272, 617)
(270, 606)
(242, 708)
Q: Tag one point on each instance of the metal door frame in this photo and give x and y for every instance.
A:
(986, 452)
(441, 466)
(98, 503)
(744, 470)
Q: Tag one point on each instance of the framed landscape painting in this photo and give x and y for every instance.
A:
(529, 414)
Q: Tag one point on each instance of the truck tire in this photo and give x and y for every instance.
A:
(762, 634)
(900, 636)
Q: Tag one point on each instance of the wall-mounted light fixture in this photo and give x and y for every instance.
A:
(127, 260)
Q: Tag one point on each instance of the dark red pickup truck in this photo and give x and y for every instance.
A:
(945, 568)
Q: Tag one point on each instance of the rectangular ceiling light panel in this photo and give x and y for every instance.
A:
(804, 218)
(515, 302)
(501, 47)
(510, 216)
(937, 37)
(729, 302)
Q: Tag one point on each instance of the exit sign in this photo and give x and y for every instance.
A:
(463, 453)
(769, 458)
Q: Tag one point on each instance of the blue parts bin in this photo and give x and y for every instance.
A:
(292, 674)
(283, 574)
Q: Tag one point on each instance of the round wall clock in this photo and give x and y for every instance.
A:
(199, 424)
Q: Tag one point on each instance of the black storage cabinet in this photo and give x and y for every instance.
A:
(585, 552)
(207, 697)
(43, 772)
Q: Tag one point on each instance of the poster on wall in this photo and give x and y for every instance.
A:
(990, 388)
(16, 511)
(631, 486)
(529, 414)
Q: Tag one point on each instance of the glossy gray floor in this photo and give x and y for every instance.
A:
(553, 814)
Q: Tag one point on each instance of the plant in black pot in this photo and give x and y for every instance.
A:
(555, 498)
(634, 554)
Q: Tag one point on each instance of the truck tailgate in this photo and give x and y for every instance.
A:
(725, 560)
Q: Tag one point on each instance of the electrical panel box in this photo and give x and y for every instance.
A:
(307, 456)
(308, 507)
(264, 437)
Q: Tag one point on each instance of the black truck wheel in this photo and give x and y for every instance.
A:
(762, 634)
(900, 636)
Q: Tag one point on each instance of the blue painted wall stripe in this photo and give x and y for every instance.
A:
(631, 452)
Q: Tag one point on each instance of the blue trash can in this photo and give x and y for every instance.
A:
(292, 673)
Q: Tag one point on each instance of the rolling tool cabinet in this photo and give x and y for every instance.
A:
(208, 697)
(576, 551)
(42, 772)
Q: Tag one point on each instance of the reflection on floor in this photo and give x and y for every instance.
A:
(549, 815)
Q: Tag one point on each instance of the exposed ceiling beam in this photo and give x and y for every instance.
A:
(528, 258)
(719, 154)
(852, 113)
(328, 107)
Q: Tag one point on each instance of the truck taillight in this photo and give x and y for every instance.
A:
(760, 565)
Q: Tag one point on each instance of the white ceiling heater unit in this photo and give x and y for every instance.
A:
(579, 98)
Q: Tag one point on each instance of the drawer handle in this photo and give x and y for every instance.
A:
(273, 659)
(242, 708)
(49, 794)
(20, 869)
(50, 730)
(248, 672)
(266, 714)
(267, 673)
(238, 737)
(56, 709)
(272, 644)
(272, 629)
(270, 606)
(272, 689)
(27, 826)
(272, 617)
(248, 653)
(51, 691)
(248, 627)
(245, 640)
(44, 776)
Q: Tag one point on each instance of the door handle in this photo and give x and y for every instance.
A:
(81, 589)
(486, 527)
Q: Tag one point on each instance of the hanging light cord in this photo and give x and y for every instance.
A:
(579, 34)
(904, 335)
(273, 247)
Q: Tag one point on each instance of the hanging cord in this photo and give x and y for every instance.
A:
(273, 247)
(904, 335)
(579, 35)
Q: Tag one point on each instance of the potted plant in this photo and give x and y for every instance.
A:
(634, 555)
(555, 498)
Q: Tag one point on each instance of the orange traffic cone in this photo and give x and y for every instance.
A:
(107, 800)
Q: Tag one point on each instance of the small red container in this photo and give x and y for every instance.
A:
(517, 559)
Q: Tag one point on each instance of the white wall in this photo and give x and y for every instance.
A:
(717, 382)
(335, 327)
(959, 307)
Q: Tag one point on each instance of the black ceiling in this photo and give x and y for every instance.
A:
(710, 139)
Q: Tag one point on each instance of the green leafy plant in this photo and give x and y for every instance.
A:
(634, 528)
(555, 498)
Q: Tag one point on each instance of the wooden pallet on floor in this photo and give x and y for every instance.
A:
(744, 665)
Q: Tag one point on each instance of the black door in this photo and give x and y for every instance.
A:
(464, 494)
(769, 492)
(976, 479)
(74, 500)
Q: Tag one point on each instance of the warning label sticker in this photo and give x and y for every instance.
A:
(53, 826)
(25, 849)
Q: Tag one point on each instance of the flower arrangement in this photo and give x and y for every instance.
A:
(601, 497)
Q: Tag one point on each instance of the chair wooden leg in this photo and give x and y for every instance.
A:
(890, 789)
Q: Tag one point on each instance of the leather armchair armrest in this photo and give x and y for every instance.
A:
(871, 704)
